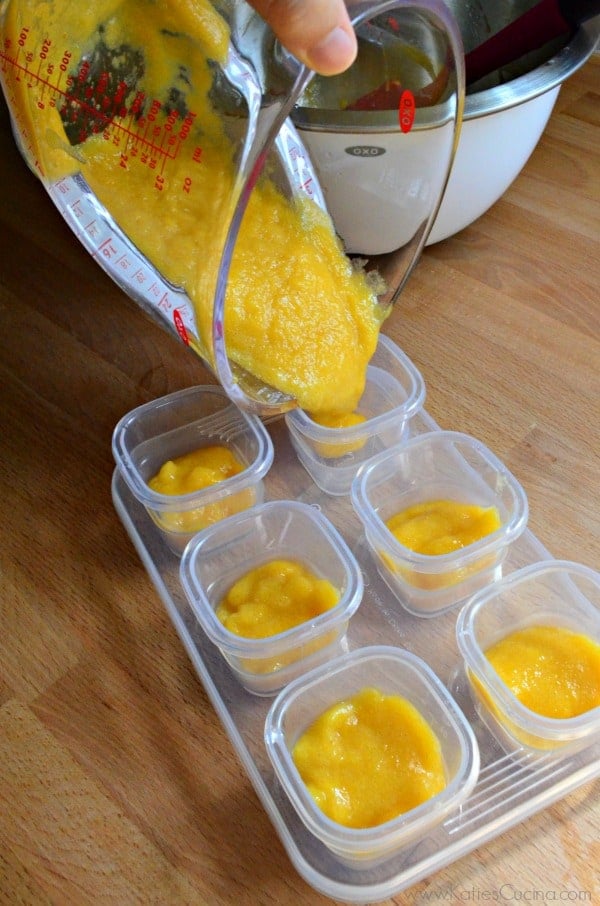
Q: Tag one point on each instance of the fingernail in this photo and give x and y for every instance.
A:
(334, 53)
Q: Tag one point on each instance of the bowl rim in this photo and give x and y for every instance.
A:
(544, 78)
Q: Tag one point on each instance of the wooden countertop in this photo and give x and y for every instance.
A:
(117, 782)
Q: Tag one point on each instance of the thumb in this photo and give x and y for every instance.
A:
(317, 32)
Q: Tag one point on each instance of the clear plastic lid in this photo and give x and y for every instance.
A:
(163, 134)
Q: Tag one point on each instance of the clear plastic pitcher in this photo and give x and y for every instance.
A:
(162, 132)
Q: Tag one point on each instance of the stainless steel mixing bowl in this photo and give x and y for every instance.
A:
(504, 116)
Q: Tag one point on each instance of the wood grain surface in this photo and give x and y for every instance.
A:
(117, 782)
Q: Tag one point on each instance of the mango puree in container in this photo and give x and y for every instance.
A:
(553, 671)
(193, 471)
(271, 599)
(438, 527)
(299, 315)
(369, 758)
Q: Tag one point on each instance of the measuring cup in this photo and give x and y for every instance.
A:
(161, 93)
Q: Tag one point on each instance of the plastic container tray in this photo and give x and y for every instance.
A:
(510, 787)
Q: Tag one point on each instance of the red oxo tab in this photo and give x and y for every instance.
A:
(180, 327)
(406, 110)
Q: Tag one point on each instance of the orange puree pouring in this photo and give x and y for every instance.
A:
(298, 316)
(338, 421)
(553, 671)
(370, 758)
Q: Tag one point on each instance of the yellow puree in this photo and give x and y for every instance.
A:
(442, 526)
(272, 598)
(338, 420)
(370, 758)
(437, 527)
(194, 471)
(298, 315)
(275, 597)
(553, 671)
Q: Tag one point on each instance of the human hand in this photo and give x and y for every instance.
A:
(317, 32)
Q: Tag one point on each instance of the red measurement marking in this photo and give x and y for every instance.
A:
(92, 229)
(107, 248)
(406, 110)
(103, 121)
(138, 103)
(123, 262)
(165, 303)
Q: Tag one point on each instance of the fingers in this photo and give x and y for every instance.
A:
(317, 32)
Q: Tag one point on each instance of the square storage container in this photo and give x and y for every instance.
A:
(550, 593)
(227, 551)
(393, 671)
(441, 465)
(180, 423)
(394, 393)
